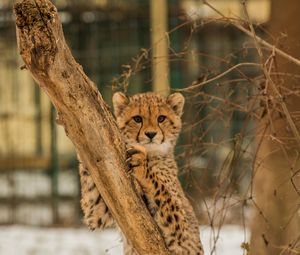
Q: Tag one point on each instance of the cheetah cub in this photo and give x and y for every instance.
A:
(150, 124)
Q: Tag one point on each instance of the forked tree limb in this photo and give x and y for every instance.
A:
(86, 119)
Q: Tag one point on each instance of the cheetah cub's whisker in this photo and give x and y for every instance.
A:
(150, 124)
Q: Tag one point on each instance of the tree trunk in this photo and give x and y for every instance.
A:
(276, 226)
(86, 119)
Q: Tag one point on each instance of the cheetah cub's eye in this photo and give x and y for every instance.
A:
(161, 118)
(137, 119)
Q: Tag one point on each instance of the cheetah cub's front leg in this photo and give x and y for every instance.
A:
(162, 199)
(137, 162)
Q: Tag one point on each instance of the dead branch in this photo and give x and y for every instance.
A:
(217, 77)
(257, 38)
(269, 79)
(85, 117)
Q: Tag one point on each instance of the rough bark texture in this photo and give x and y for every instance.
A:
(277, 178)
(86, 119)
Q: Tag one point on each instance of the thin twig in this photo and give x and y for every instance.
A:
(197, 85)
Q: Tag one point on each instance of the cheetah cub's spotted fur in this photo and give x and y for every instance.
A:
(150, 124)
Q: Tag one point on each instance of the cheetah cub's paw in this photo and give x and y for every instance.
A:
(136, 160)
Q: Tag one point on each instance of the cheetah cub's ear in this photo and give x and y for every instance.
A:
(120, 101)
(176, 101)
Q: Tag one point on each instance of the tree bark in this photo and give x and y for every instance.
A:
(86, 119)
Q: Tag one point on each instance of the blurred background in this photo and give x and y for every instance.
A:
(231, 112)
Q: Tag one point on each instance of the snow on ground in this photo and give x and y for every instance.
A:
(23, 240)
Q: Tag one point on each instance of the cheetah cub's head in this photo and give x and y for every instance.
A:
(150, 120)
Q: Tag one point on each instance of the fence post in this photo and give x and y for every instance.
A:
(159, 46)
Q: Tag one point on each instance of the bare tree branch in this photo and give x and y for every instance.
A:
(257, 38)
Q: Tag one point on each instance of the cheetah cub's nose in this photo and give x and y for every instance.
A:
(150, 134)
